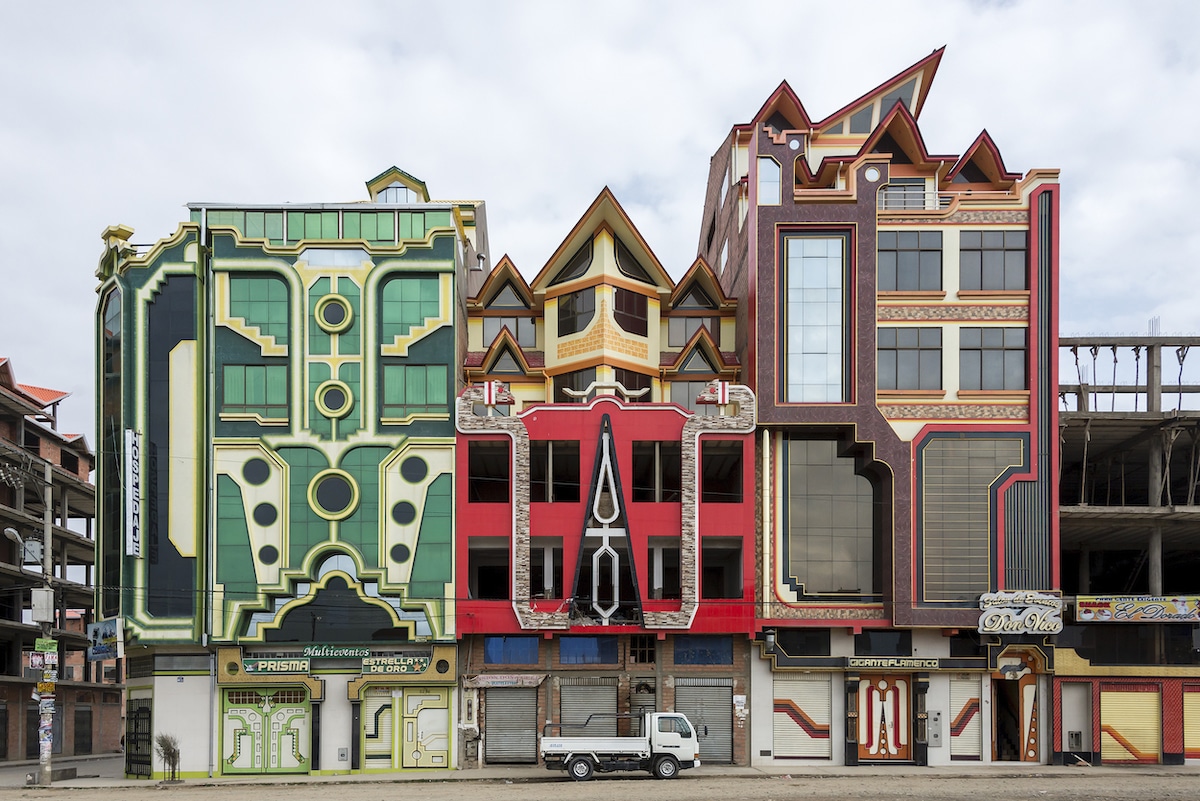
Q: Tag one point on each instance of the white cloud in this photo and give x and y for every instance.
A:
(124, 113)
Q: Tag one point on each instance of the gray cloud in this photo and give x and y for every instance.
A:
(124, 112)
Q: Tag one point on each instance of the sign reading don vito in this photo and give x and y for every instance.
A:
(1020, 613)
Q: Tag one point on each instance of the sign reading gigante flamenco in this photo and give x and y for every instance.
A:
(1020, 612)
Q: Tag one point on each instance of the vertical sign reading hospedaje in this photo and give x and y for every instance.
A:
(133, 493)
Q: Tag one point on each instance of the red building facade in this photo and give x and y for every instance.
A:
(606, 499)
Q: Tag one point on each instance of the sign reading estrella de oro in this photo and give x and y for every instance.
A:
(395, 664)
(1020, 612)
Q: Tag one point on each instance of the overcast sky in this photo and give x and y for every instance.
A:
(123, 112)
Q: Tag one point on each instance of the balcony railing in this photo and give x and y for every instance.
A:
(910, 198)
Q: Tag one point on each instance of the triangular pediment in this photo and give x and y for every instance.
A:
(699, 288)
(900, 136)
(576, 257)
(504, 288)
(908, 89)
(394, 176)
(504, 357)
(982, 166)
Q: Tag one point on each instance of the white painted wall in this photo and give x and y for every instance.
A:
(1076, 713)
(337, 729)
(182, 708)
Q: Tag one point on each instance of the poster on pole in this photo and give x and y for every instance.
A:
(133, 493)
(105, 640)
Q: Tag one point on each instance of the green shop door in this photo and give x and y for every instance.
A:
(406, 727)
(265, 730)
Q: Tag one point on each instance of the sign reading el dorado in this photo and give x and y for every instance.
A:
(1137, 609)
(1020, 612)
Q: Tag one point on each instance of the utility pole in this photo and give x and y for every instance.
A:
(44, 612)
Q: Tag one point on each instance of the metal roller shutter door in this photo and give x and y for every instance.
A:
(1130, 726)
(802, 717)
(1191, 722)
(966, 728)
(578, 701)
(712, 707)
(510, 725)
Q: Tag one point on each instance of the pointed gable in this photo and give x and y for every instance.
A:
(699, 288)
(396, 178)
(783, 111)
(899, 135)
(982, 165)
(908, 89)
(504, 288)
(574, 258)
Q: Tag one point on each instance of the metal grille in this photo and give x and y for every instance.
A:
(510, 725)
(803, 713)
(138, 736)
(83, 731)
(577, 702)
(966, 727)
(710, 709)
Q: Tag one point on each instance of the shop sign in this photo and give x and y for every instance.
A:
(284, 665)
(395, 664)
(45, 687)
(505, 680)
(336, 651)
(105, 639)
(1020, 613)
(45, 645)
(133, 493)
(898, 662)
(1137, 609)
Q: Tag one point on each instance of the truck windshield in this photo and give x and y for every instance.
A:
(677, 725)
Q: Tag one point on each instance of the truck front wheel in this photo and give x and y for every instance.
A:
(666, 768)
(580, 769)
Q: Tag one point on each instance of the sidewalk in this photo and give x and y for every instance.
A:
(105, 771)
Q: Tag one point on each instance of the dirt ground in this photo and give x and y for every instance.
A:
(694, 787)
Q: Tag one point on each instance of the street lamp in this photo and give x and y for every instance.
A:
(31, 550)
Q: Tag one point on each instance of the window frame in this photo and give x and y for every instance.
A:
(667, 483)
(985, 242)
(555, 484)
(480, 470)
(972, 370)
(890, 268)
(576, 310)
(631, 311)
(891, 350)
(798, 278)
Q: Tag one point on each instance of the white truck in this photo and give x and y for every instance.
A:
(668, 744)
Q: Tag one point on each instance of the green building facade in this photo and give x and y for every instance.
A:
(275, 480)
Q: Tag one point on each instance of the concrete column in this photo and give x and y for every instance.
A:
(1154, 561)
(1154, 378)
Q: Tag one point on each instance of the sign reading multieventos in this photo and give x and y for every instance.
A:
(133, 493)
(1020, 612)
(336, 651)
(1137, 609)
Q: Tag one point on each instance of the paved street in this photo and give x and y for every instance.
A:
(100, 779)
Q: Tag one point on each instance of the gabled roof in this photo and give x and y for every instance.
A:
(701, 341)
(923, 71)
(505, 272)
(902, 128)
(985, 156)
(605, 211)
(393, 174)
(784, 104)
(481, 361)
(43, 395)
(36, 397)
(702, 275)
